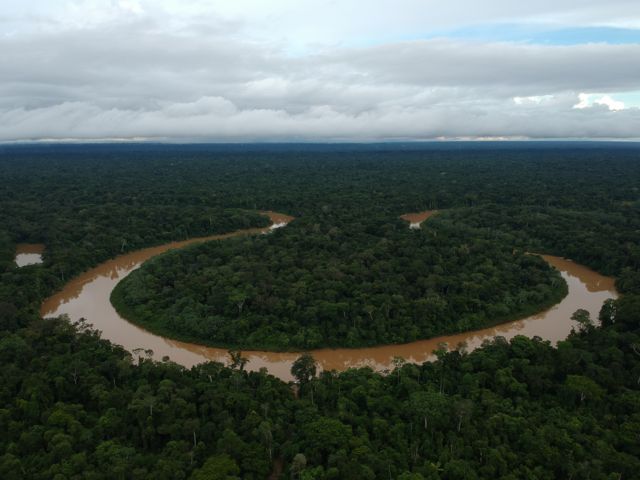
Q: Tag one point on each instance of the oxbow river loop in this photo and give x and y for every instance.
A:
(87, 296)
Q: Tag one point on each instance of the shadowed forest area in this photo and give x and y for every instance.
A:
(347, 271)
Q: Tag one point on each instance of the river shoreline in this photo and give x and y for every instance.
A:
(88, 296)
(125, 312)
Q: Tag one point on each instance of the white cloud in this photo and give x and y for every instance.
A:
(131, 6)
(610, 103)
(583, 101)
(224, 70)
(220, 120)
(532, 100)
(587, 100)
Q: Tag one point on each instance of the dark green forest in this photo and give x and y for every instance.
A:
(320, 283)
(74, 406)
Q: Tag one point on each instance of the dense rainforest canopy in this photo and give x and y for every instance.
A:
(320, 282)
(74, 406)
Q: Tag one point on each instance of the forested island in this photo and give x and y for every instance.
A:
(347, 271)
(319, 283)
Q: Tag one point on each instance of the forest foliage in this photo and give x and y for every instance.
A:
(319, 283)
(74, 406)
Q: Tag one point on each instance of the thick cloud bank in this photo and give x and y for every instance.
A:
(131, 73)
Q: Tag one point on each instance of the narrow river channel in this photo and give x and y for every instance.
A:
(87, 296)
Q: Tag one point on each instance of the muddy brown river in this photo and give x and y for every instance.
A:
(416, 219)
(87, 296)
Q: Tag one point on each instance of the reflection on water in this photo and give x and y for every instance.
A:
(416, 219)
(88, 296)
(29, 254)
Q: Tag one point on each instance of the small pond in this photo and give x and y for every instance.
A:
(29, 254)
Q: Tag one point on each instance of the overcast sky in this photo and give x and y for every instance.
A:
(340, 70)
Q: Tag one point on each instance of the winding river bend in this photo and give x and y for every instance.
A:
(87, 296)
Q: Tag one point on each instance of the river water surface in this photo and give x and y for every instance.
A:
(29, 254)
(416, 219)
(87, 296)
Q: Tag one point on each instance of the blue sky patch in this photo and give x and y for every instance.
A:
(545, 36)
